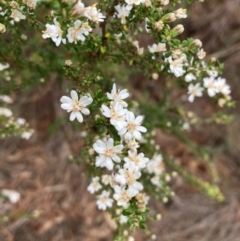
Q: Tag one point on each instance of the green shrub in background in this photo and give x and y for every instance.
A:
(96, 48)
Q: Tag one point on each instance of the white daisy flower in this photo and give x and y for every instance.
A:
(93, 14)
(132, 127)
(104, 201)
(138, 159)
(122, 11)
(156, 48)
(116, 113)
(222, 86)
(210, 85)
(122, 196)
(54, 32)
(78, 31)
(118, 95)
(194, 90)
(108, 153)
(94, 185)
(76, 106)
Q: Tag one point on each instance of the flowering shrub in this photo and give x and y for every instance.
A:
(89, 45)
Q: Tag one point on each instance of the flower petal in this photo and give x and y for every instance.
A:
(79, 117)
(66, 99)
(72, 116)
(66, 106)
(74, 95)
(85, 111)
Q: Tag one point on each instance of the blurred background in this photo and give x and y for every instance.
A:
(54, 204)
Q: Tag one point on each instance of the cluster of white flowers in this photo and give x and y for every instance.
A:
(124, 165)
(79, 30)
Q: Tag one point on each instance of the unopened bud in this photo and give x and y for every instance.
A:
(155, 76)
(164, 2)
(197, 43)
(24, 37)
(148, 4)
(153, 237)
(178, 29)
(13, 4)
(176, 53)
(169, 17)
(159, 25)
(68, 62)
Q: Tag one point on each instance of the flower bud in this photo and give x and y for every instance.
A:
(13, 4)
(148, 3)
(68, 62)
(159, 25)
(164, 2)
(177, 30)
(154, 76)
(177, 53)
(201, 54)
(169, 17)
(2, 28)
(197, 43)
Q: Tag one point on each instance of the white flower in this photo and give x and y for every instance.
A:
(201, 54)
(27, 134)
(106, 179)
(108, 153)
(78, 31)
(122, 196)
(77, 107)
(180, 13)
(104, 201)
(5, 112)
(123, 12)
(210, 85)
(31, 3)
(128, 176)
(7, 99)
(17, 16)
(54, 32)
(93, 14)
(164, 2)
(123, 219)
(116, 113)
(156, 165)
(222, 86)
(118, 95)
(138, 159)
(155, 48)
(156, 181)
(212, 73)
(132, 145)
(193, 91)
(139, 50)
(134, 2)
(21, 121)
(176, 67)
(95, 185)
(4, 66)
(13, 196)
(189, 77)
(132, 127)
(79, 8)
